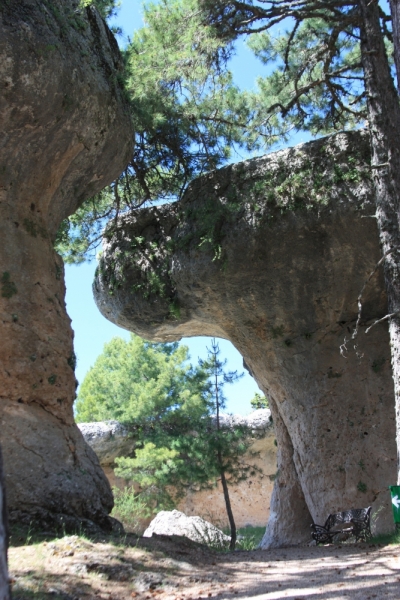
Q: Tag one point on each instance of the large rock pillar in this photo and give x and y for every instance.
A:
(272, 254)
(65, 135)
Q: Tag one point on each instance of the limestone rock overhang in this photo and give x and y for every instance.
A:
(295, 225)
(272, 253)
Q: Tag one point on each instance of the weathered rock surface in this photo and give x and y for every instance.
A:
(250, 499)
(108, 439)
(271, 254)
(174, 522)
(4, 585)
(65, 135)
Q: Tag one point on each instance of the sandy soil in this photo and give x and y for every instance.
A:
(169, 568)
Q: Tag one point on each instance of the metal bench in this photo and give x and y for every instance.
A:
(354, 522)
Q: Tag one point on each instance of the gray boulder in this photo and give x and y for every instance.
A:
(109, 439)
(197, 529)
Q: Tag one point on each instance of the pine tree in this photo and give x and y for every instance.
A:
(259, 401)
(174, 413)
(226, 461)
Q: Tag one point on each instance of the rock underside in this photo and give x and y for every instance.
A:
(65, 135)
(272, 254)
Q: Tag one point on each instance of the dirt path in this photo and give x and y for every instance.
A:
(167, 568)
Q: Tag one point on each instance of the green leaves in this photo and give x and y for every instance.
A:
(186, 112)
(173, 410)
(259, 401)
(139, 383)
(317, 81)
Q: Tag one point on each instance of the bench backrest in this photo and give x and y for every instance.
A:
(355, 514)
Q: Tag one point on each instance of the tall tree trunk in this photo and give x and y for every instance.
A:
(224, 483)
(4, 585)
(395, 10)
(228, 505)
(384, 126)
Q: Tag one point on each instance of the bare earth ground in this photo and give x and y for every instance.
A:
(172, 568)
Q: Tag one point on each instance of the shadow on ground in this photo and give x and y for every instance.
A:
(174, 568)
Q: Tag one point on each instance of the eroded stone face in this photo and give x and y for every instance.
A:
(272, 254)
(65, 135)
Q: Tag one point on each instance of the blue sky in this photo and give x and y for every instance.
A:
(91, 329)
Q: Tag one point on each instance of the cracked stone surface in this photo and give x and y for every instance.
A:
(65, 135)
(271, 253)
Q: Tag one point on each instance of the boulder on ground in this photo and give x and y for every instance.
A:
(174, 522)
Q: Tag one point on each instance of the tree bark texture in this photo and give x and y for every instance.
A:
(384, 126)
(395, 11)
(4, 583)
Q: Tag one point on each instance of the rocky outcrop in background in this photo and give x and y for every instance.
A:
(65, 135)
(250, 499)
(271, 253)
(108, 439)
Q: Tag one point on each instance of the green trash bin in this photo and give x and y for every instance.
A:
(395, 494)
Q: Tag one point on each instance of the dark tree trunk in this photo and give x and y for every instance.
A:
(384, 126)
(228, 506)
(4, 584)
(395, 10)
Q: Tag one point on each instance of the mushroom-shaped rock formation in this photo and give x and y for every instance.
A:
(65, 135)
(272, 253)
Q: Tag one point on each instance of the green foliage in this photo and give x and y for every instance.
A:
(187, 114)
(81, 233)
(34, 229)
(316, 82)
(249, 538)
(72, 360)
(141, 383)
(131, 508)
(173, 410)
(362, 487)
(259, 401)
